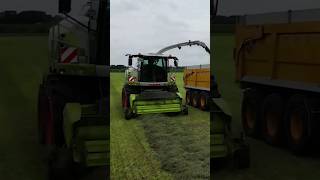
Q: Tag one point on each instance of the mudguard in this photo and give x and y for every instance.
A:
(222, 106)
(71, 114)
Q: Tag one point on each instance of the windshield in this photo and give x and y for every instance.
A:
(153, 69)
(154, 61)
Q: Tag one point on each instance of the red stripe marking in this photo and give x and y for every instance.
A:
(63, 50)
(71, 56)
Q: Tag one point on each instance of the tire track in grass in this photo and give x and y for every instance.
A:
(131, 157)
(182, 148)
(182, 143)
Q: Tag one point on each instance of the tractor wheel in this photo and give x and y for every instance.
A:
(188, 97)
(126, 104)
(203, 102)
(42, 111)
(195, 99)
(272, 118)
(185, 110)
(123, 98)
(46, 123)
(251, 112)
(297, 119)
(61, 165)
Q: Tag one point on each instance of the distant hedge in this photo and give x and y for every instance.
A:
(25, 28)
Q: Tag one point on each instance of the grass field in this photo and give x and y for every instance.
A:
(158, 146)
(267, 162)
(23, 61)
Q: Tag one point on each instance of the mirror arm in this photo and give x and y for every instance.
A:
(78, 22)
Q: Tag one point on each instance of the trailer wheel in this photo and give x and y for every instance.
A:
(272, 118)
(204, 101)
(126, 104)
(195, 99)
(297, 120)
(188, 97)
(251, 112)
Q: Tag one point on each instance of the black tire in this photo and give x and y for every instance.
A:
(123, 98)
(195, 99)
(126, 104)
(250, 112)
(173, 89)
(185, 110)
(61, 165)
(188, 97)
(42, 106)
(203, 101)
(297, 121)
(272, 118)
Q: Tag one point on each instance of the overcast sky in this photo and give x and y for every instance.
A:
(146, 26)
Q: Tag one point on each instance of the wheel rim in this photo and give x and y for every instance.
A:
(194, 100)
(296, 125)
(272, 119)
(250, 122)
(203, 102)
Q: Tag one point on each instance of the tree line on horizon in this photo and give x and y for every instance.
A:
(26, 21)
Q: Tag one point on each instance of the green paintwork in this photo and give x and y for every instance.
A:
(219, 133)
(222, 105)
(89, 143)
(80, 70)
(71, 114)
(155, 106)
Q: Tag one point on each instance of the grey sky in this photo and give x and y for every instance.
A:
(231, 7)
(147, 26)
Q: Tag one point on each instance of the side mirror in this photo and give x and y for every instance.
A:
(130, 61)
(64, 6)
(175, 63)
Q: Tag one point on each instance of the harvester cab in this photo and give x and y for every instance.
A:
(151, 68)
(150, 86)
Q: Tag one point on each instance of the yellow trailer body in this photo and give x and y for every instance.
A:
(279, 52)
(277, 59)
(197, 84)
(197, 77)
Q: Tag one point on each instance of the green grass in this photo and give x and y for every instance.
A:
(23, 61)
(158, 146)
